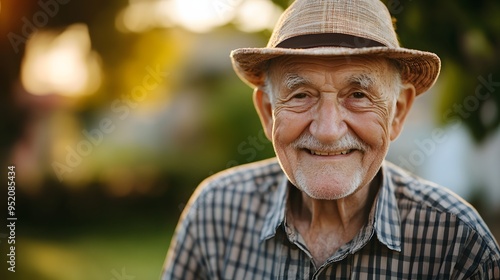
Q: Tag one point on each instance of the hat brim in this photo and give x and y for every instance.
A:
(419, 68)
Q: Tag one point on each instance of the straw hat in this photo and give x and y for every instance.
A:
(337, 28)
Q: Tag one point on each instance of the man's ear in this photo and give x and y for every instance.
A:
(403, 106)
(264, 110)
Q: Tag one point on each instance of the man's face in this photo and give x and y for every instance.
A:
(332, 121)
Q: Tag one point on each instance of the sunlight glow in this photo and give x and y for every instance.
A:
(203, 15)
(198, 16)
(140, 16)
(257, 15)
(61, 64)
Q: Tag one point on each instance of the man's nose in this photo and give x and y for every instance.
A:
(328, 123)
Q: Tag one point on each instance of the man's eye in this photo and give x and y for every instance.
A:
(358, 95)
(300, 95)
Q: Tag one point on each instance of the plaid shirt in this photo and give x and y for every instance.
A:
(234, 227)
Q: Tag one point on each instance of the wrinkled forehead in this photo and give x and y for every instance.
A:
(375, 69)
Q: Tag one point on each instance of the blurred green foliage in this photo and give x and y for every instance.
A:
(465, 35)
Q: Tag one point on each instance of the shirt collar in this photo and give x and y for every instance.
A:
(384, 217)
(276, 215)
(387, 219)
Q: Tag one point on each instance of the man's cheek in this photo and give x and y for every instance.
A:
(382, 117)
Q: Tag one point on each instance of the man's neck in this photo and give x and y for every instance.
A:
(326, 225)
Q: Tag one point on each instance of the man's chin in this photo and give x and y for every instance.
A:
(328, 194)
(328, 191)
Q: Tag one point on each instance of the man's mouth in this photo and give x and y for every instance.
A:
(333, 153)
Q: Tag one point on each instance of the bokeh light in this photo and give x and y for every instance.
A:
(202, 16)
(198, 16)
(267, 11)
(61, 63)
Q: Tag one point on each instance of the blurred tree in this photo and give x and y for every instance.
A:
(465, 34)
(282, 3)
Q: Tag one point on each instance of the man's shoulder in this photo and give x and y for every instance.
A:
(256, 178)
(410, 187)
(413, 192)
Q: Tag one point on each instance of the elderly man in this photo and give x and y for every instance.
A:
(332, 90)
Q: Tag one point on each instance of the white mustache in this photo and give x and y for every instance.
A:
(347, 142)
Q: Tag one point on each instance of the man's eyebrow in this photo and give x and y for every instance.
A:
(362, 80)
(293, 81)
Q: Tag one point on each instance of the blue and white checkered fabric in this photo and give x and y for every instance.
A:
(234, 227)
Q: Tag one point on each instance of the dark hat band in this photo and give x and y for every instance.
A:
(328, 40)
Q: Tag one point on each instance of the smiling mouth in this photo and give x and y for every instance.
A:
(335, 153)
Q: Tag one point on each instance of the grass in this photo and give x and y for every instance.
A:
(116, 252)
